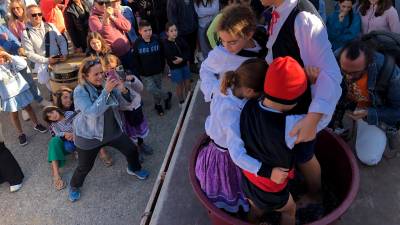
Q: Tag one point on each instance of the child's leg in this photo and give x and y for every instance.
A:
(255, 213)
(180, 88)
(32, 114)
(187, 86)
(312, 175)
(15, 121)
(288, 211)
(55, 169)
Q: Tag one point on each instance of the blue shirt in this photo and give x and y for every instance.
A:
(128, 14)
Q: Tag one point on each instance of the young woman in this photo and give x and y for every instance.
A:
(76, 17)
(99, 124)
(379, 15)
(14, 93)
(206, 11)
(17, 21)
(96, 45)
(343, 25)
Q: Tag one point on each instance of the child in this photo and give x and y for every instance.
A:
(218, 175)
(235, 29)
(14, 93)
(177, 53)
(61, 125)
(97, 46)
(135, 123)
(265, 127)
(65, 101)
(149, 63)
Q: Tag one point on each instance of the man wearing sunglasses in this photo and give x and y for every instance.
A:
(43, 44)
(113, 27)
(377, 102)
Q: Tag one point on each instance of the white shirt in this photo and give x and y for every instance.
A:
(212, 70)
(223, 126)
(315, 50)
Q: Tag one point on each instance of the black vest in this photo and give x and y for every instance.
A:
(263, 133)
(286, 45)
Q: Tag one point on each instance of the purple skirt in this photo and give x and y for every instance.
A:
(220, 179)
(134, 132)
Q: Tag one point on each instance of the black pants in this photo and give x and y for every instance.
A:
(191, 40)
(87, 157)
(9, 169)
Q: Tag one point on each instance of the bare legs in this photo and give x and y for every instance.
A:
(312, 175)
(15, 119)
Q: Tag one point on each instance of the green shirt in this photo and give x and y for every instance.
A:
(211, 31)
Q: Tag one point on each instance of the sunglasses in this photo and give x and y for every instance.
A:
(36, 15)
(90, 64)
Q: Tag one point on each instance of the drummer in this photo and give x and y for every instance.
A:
(34, 43)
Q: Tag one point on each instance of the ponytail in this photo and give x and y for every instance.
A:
(228, 81)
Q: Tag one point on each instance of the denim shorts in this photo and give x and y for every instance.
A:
(181, 74)
(304, 151)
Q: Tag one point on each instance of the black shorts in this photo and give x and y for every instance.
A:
(304, 151)
(266, 201)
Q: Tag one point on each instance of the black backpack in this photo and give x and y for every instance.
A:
(387, 43)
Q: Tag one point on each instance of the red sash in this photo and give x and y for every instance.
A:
(267, 184)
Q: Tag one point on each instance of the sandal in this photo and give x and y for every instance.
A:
(59, 184)
(107, 160)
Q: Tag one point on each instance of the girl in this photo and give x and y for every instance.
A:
(61, 125)
(379, 15)
(235, 29)
(15, 94)
(96, 45)
(65, 101)
(176, 52)
(343, 25)
(17, 21)
(218, 175)
(206, 11)
(135, 123)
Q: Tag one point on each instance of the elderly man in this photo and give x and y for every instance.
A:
(376, 102)
(43, 44)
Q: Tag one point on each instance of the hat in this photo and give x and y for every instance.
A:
(285, 81)
(105, 1)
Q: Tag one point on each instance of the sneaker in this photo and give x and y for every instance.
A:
(22, 140)
(15, 188)
(167, 101)
(140, 174)
(25, 115)
(146, 149)
(45, 103)
(159, 110)
(181, 104)
(40, 128)
(74, 194)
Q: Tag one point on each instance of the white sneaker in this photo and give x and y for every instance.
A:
(15, 188)
(25, 115)
(45, 103)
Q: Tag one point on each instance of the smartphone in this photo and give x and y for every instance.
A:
(111, 74)
(121, 72)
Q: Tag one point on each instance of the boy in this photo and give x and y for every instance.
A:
(284, 85)
(176, 52)
(149, 62)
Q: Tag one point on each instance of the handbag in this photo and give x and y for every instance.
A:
(13, 81)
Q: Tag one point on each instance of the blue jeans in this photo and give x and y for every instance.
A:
(32, 87)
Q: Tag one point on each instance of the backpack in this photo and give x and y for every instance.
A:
(387, 43)
(47, 29)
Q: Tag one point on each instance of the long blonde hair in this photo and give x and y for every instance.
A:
(20, 4)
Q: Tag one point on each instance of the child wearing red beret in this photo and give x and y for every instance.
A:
(265, 127)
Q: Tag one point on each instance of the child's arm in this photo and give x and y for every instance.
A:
(57, 132)
(208, 76)
(135, 83)
(292, 120)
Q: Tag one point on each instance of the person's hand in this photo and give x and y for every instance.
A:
(306, 128)
(5, 54)
(279, 175)
(312, 73)
(109, 11)
(130, 78)
(21, 52)
(69, 136)
(53, 60)
(358, 114)
(4, 36)
(111, 84)
(62, 58)
(341, 16)
(177, 60)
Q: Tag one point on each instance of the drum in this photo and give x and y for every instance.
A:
(65, 74)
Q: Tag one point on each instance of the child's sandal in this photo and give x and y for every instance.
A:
(59, 184)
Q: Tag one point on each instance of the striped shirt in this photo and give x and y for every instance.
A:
(63, 126)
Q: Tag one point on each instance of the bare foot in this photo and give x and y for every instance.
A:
(308, 199)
